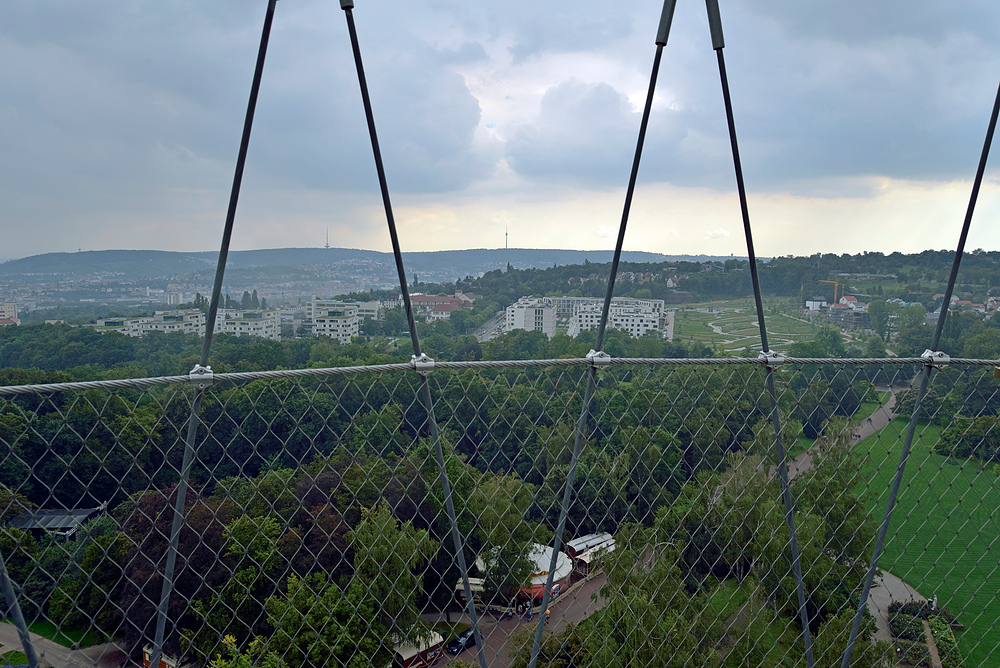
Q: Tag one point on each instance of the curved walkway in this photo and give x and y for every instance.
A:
(886, 587)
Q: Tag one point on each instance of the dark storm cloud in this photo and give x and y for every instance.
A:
(106, 90)
(136, 107)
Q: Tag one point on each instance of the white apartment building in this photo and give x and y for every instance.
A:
(188, 321)
(250, 322)
(338, 320)
(372, 309)
(631, 318)
(567, 307)
(8, 314)
(638, 317)
(533, 314)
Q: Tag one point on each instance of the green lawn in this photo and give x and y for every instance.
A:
(66, 637)
(737, 320)
(14, 659)
(944, 538)
(870, 407)
(730, 595)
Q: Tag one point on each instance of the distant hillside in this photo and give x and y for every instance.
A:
(435, 265)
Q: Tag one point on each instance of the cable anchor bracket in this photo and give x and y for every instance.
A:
(423, 364)
(201, 377)
(936, 358)
(772, 359)
(598, 359)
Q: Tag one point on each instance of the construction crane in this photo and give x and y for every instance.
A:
(836, 285)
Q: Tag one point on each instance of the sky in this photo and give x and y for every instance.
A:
(860, 123)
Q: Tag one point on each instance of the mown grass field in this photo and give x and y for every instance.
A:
(944, 538)
(66, 637)
(14, 658)
(731, 326)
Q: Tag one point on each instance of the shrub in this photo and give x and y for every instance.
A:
(947, 644)
(907, 627)
(922, 609)
(913, 654)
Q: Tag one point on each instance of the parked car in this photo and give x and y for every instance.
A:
(462, 642)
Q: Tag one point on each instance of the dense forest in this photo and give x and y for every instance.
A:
(298, 480)
(317, 503)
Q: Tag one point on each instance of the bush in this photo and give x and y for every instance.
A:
(921, 609)
(907, 627)
(913, 654)
(947, 644)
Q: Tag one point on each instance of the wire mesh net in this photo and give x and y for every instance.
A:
(315, 532)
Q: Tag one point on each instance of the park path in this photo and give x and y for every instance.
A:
(886, 587)
(55, 655)
(878, 420)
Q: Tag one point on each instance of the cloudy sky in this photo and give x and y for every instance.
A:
(860, 122)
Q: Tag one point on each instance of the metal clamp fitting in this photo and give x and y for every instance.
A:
(347, 4)
(423, 364)
(598, 359)
(201, 377)
(772, 359)
(936, 359)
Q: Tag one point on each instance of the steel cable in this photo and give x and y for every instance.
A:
(924, 382)
(425, 392)
(718, 43)
(189, 442)
(662, 34)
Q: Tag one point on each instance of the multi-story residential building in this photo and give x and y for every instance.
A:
(250, 322)
(8, 314)
(338, 320)
(567, 307)
(188, 321)
(533, 314)
(638, 317)
(627, 315)
(372, 309)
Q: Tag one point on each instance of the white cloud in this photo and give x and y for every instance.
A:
(717, 234)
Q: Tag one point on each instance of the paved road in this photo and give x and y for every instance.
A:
(573, 607)
(49, 652)
(491, 329)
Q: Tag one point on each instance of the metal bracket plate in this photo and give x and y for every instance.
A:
(201, 377)
(936, 358)
(772, 359)
(599, 359)
(422, 364)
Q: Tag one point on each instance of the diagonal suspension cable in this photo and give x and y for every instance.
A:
(13, 609)
(418, 357)
(662, 33)
(718, 43)
(924, 382)
(203, 368)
